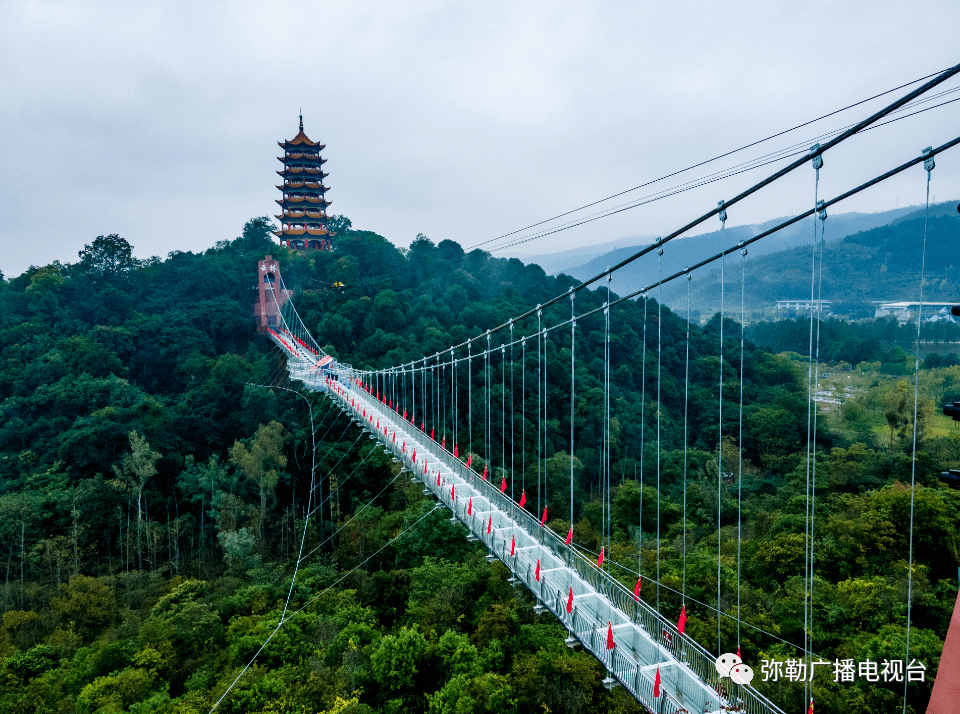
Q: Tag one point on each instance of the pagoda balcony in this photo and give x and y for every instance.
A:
(302, 214)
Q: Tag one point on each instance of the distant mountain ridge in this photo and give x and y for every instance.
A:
(882, 263)
(682, 252)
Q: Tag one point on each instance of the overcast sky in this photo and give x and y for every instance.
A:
(159, 121)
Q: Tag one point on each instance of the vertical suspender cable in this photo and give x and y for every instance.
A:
(469, 398)
(512, 414)
(503, 415)
(523, 417)
(606, 391)
(686, 401)
(643, 395)
(723, 228)
(816, 414)
(817, 161)
(454, 399)
(743, 320)
(487, 450)
(573, 335)
(928, 165)
(546, 490)
(659, 409)
(539, 413)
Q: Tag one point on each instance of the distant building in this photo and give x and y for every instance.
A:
(906, 311)
(303, 216)
(824, 305)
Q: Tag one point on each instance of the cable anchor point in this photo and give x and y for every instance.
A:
(723, 211)
(822, 210)
(928, 163)
(817, 157)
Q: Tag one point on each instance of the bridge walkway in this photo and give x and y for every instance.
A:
(644, 640)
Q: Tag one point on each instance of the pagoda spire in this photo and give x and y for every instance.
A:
(303, 217)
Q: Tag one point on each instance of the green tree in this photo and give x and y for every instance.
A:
(136, 468)
(259, 463)
(108, 256)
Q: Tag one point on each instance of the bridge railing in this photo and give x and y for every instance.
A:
(689, 652)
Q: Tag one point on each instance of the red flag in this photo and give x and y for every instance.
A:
(682, 623)
(469, 460)
(810, 711)
(503, 485)
(523, 497)
(378, 423)
(403, 447)
(404, 413)
(456, 451)
(569, 536)
(411, 418)
(390, 404)
(431, 433)
(490, 524)
(364, 412)
(484, 472)
(443, 444)
(513, 545)
(600, 559)
(425, 466)
(636, 590)
(394, 436)
(656, 683)
(543, 520)
(738, 654)
(570, 600)
(414, 456)
(469, 506)
(537, 574)
(453, 492)
(438, 478)
(423, 425)
(610, 643)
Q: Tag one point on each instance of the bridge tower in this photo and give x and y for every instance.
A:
(270, 296)
(303, 207)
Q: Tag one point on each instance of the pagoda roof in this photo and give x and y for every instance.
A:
(297, 169)
(300, 139)
(303, 231)
(310, 199)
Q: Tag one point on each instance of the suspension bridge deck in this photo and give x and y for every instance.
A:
(644, 639)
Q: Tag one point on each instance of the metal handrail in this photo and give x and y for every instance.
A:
(628, 671)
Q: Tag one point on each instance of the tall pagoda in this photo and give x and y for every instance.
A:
(303, 217)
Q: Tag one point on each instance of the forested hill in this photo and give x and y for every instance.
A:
(879, 264)
(153, 494)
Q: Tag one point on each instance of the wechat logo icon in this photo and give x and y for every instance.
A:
(729, 665)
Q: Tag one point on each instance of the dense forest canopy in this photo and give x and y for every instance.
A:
(154, 489)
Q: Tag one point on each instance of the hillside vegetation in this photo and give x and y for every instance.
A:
(153, 492)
